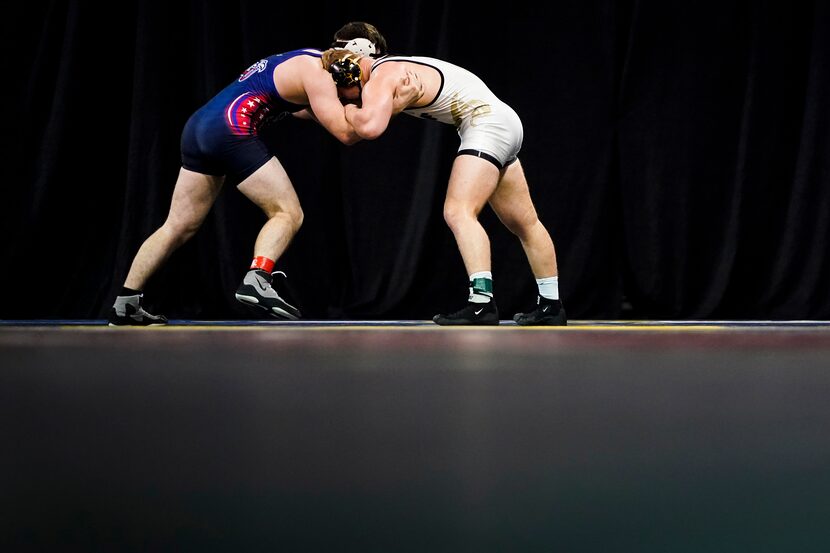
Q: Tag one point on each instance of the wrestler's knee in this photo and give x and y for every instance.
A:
(180, 229)
(291, 216)
(521, 226)
(456, 214)
(297, 218)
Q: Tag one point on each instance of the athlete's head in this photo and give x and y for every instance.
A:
(344, 67)
(361, 38)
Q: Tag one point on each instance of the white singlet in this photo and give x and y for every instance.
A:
(484, 123)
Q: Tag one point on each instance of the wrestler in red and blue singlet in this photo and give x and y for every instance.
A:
(222, 137)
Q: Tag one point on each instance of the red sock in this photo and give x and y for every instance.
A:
(262, 263)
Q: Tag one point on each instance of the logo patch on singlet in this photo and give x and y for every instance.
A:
(258, 67)
(246, 113)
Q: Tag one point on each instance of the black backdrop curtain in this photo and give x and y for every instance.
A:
(677, 152)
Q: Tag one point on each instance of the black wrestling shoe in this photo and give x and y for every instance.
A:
(256, 291)
(128, 311)
(547, 313)
(471, 314)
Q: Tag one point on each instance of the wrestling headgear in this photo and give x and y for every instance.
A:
(345, 72)
(360, 46)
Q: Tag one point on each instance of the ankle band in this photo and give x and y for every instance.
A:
(261, 262)
(482, 286)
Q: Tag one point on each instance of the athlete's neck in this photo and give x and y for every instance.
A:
(365, 69)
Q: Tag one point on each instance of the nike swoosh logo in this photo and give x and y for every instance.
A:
(262, 288)
(479, 311)
(545, 309)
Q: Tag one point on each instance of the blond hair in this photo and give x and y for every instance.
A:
(333, 55)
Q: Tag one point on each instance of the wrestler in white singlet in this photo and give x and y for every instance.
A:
(487, 126)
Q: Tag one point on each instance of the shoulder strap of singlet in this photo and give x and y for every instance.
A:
(389, 57)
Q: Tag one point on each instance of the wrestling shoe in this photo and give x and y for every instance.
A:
(471, 314)
(128, 311)
(257, 291)
(547, 313)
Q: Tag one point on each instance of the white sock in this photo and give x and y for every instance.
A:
(549, 287)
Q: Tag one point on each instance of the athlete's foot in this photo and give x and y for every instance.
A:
(547, 313)
(471, 314)
(256, 291)
(128, 311)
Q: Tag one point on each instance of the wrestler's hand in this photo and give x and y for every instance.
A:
(349, 111)
(409, 90)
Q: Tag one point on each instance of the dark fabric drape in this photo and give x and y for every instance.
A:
(676, 151)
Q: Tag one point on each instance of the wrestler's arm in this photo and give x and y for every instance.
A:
(377, 105)
(326, 106)
(305, 115)
(409, 90)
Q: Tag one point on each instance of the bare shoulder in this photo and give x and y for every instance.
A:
(397, 68)
(295, 78)
(392, 69)
(301, 64)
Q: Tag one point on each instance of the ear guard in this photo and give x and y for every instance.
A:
(360, 46)
(345, 72)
